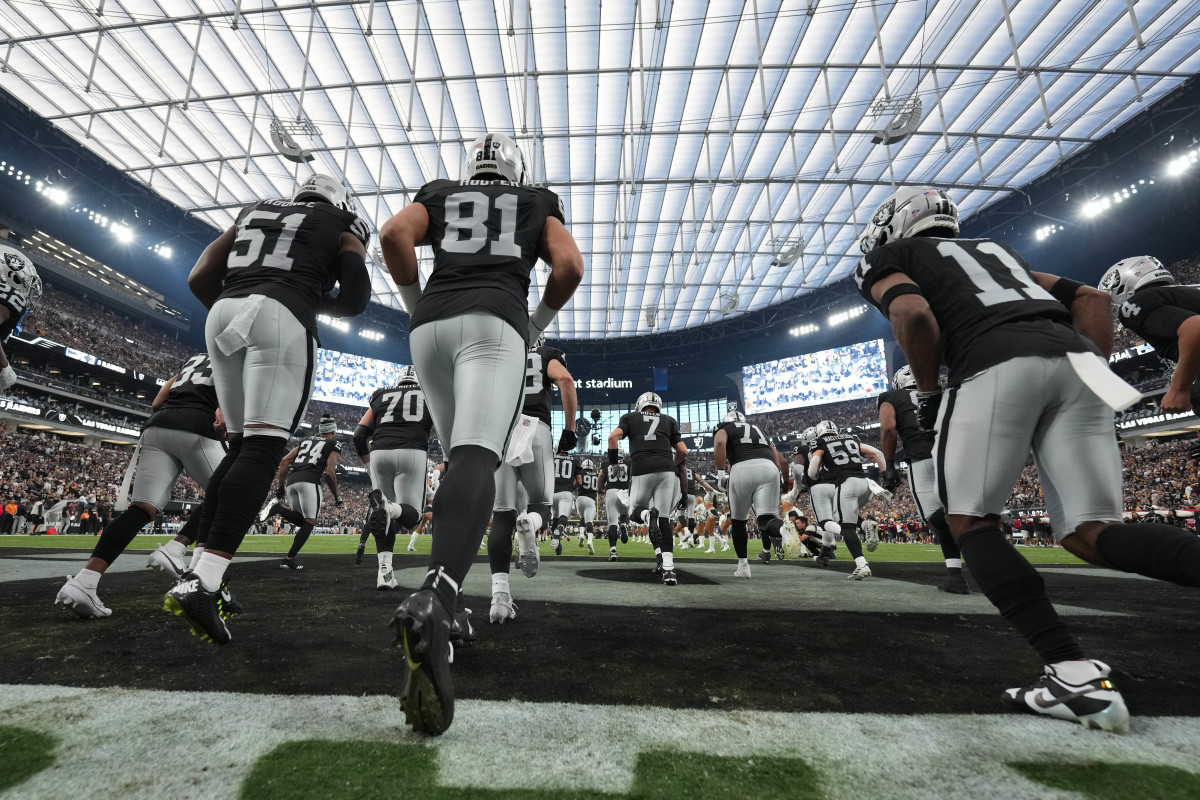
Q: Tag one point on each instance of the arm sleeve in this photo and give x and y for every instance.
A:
(355, 286)
(675, 436)
(1161, 323)
(361, 434)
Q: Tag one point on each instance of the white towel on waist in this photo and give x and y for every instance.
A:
(237, 333)
(520, 441)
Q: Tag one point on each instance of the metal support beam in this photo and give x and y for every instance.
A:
(837, 170)
(1137, 31)
(187, 92)
(312, 24)
(1012, 39)
(87, 88)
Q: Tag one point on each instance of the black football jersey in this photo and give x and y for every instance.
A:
(652, 440)
(191, 403)
(842, 457)
(485, 237)
(402, 420)
(918, 445)
(310, 462)
(1156, 313)
(537, 381)
(987, 304)
(564, 473)
(745, 441)
(616, 476)
(590, 481)
(288, 251)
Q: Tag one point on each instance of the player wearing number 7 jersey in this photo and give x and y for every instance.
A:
(264, 280)
(469, 333)
(1026, 353)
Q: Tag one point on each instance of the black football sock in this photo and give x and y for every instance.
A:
(543, 512)
(188, 531)
(244, 489)
(667, 535)
(291, 515)
(691, 526)
(462, 507)
(613, 533)
(362, 537)
(1018, 592)
(1153, 549)
(213, 491)
(937, 521)
(739, 536)
(500, 539)
(117, 535)
(386, 542)
(850, 537)
(590, 528)
(301, 537)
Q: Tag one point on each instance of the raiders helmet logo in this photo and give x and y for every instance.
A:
(699, 440)
(883, 215)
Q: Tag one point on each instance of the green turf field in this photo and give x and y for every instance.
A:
(347, 544)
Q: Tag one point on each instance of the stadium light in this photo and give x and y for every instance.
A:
(374, 336)
(161, 249)
(336, 324)
(122, 231)
(1180, 165)
(1046, 231)
(804, 330)
(846, 316)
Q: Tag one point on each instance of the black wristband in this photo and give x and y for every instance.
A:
(899, 289)
(614, 456)
(1064, 291)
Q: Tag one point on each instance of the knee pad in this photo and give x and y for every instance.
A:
(831, 527)
(764, 521)
(937, 521)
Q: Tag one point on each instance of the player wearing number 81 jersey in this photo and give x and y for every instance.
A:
(755, 469)
(614, 483)
(1026, 353)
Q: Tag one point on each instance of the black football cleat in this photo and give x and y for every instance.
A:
(777, 542)
(462, 631)
(823, 559)
(764, 556)
(201, 610)
(1095, 703)
(954, 583)
(658, 564)
(624, 534)
(230, 605)
(358, 552)
(423, 627)
(669, 578)
(377, 517)
(290, 563)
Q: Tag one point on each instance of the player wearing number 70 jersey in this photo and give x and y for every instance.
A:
(263, 281)
(469, 334)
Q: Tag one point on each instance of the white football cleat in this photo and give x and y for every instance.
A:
(385, 579)
(160, 559)
(503, 608)
(1089, 697)
(591, 547)
(742, 571)
(84, 602)
(860, 573)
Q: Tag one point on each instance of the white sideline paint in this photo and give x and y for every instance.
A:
(125, 743)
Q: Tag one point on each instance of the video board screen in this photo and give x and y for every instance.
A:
(830, 376)
(351, 379)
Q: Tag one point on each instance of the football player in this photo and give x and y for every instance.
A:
(837, 458)
(566, 481)
(182, 435)
(692, 488)
(753, 479)
(898, 423)
(392, 440)
(469, 333)
(20, 290)
(1146, 300)
(614, 485)
(656, 449)
(264, 280)
(524, 480)
(1026, 353)
(585, 503)
(304, 466)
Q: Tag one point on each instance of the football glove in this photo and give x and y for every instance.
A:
(722, 480)
(928, 404)
(567, 441)
(279, 493)
(8, 376)
(890, 479)
(337, 501)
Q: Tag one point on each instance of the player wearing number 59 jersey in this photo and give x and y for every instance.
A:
(755, 470)
(1027, 354)
(469, 335)
(837, 462)
(263, 281)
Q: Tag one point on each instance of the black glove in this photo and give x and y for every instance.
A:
(567, 441)
(279, 493)
(682, 503)
(928, 404)
(890, 479)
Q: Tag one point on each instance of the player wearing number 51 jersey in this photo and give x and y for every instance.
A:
(1026, 354)
(263, 281)
(469, 334)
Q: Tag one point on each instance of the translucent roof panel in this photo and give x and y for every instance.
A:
(714, 157)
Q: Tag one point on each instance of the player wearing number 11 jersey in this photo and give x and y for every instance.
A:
(263, 281)
(1027, 354)
(469, 334)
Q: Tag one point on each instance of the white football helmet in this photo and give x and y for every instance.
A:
(408, 375)
(903, 379)
(908, 212)
(825, 428)
(649, 399)
(586, 465)
(1126, 277)
(19, 280)
(327, 425)
(809, 436)
(326, 190)
(734, 416)
(497, 154)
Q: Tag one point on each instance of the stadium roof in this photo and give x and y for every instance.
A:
(713, 157)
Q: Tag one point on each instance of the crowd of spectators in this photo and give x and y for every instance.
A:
(108, 334)
(48, 403)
